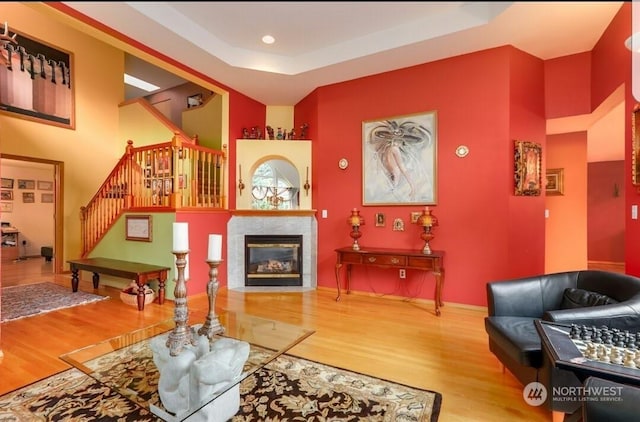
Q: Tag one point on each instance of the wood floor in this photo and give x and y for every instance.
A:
(398, 340)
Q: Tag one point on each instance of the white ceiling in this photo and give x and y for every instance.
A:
(321, 43)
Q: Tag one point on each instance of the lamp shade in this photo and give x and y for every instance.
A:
(427, 219)
(355, 219)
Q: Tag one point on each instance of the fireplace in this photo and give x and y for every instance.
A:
(273, 260)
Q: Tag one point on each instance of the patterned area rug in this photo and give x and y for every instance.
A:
(287, 389)
(33, 299)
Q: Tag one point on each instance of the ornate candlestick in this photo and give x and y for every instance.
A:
(181, 335)
(212, 325)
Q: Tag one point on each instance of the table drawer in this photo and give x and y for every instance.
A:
(351, 258)
(420, 262)
(392, 260)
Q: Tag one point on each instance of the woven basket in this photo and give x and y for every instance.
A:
(129, 299)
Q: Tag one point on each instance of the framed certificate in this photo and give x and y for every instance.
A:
(138, 227)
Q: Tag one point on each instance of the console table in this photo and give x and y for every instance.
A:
(139, 272)
(393, 258)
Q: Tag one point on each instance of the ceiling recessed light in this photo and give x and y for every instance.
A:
(268, 39)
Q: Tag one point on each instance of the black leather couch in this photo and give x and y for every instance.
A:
(587, 297)
(610, 401)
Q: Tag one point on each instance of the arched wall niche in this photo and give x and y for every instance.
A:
(251, 153)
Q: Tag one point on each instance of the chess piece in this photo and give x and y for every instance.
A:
(629, 357)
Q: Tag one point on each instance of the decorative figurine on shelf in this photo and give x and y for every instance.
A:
(253, 133)
(258, 131)
(427, 221)
(355, 221)
(303, 130)
(292, 134)
(245, 133)
(270, 133)
(280, 135)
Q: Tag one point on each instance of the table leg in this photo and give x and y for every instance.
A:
(338, 266)
(348, 278)
(161, 280)
(74, 279)
(141, 282)
(96, 280)
(439, 276)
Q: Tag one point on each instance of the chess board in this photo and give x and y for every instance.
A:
(605, 345)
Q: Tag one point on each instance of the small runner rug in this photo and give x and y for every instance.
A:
(33, 299)
(287, 389)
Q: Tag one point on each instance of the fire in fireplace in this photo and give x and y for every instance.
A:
(273, 260)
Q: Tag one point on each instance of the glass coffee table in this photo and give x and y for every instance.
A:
(125, 363)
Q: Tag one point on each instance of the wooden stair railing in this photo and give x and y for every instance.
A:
(161, 177)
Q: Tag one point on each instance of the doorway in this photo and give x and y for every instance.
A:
(40, 193)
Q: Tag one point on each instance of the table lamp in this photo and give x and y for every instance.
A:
(355, 221)
(427, 221)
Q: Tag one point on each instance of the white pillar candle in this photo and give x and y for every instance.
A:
(181, 237)
(215, 247)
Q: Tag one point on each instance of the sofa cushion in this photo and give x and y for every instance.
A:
(515, 337)
(579, 298)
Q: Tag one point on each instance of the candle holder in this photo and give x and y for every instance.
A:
(181, 335)
(212, 324)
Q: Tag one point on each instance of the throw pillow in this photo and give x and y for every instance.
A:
(579, 298)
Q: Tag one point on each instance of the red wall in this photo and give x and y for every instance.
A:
(568, 85)
(200, 226)
(605, 211)
(485, 109)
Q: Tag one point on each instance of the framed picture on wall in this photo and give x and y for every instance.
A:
(26, 184)
(41, 86)
(45, 185)
(138, 227)
(399, 160)
(28, 197)
(7, 183)
(6, 206)
(527, 168)
(6, 195)
(46, 198)
(555, 182)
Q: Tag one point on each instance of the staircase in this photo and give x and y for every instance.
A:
(163, 177)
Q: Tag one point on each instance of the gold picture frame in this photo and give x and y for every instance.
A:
(635, 146)
(527, 168)
(380, 219)
(139, 227)
(399, 160)
(555, 182)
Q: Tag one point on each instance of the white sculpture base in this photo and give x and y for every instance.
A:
(223, 408)
(198, 374)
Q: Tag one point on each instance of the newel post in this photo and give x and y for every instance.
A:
(175, 200)
(128, 197)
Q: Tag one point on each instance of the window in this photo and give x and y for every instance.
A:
(275, 186)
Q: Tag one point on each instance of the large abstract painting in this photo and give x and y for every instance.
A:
(399, 160)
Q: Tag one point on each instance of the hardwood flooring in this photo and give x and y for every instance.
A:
(399, 340)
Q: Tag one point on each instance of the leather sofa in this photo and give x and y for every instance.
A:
(514, 305)
(609, 401)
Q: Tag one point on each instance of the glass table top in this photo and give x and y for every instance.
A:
(126, 365)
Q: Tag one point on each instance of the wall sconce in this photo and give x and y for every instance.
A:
(307, 186)
(355, 221)
(427, 221)
(240, 184)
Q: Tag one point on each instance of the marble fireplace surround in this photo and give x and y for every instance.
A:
(279, 222)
